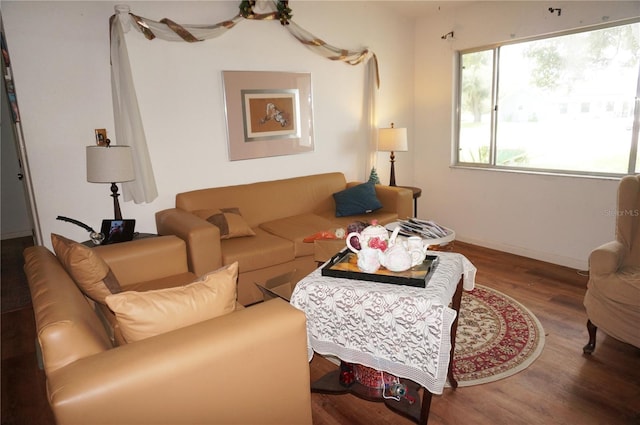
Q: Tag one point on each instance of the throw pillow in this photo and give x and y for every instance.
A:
(228, 220)
(360, 199)
(142, 315)
(89, 271)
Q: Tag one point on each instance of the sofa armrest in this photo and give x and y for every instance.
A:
(606, 259)
(204, 252)
(145, 259)
(249, 366)
(396, 199)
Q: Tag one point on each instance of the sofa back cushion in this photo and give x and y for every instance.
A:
(86, 267)
(267, 201)
(67, 327)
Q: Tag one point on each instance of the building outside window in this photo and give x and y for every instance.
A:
(566, 104)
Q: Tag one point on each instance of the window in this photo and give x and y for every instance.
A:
(560, 104)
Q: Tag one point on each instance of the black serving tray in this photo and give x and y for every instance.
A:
(344, 265)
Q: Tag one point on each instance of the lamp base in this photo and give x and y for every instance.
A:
(392, 179)
(116, 205)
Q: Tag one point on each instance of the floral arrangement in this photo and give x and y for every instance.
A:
(282, 13)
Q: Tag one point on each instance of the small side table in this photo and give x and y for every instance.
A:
(136, 236)
(416, 194)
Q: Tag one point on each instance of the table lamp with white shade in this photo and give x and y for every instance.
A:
(110, 164)
(392, 140)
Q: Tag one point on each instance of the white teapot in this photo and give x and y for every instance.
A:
(401, 256)
(369, 233)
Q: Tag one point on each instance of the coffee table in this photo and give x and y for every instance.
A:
(405, 331)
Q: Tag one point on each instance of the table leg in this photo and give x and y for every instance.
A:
(455, 304)
(426, 407)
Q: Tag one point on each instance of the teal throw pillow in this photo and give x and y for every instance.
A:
(360, 199)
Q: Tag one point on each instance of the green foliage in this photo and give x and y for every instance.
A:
(476, 69)
(246, 8)
(284, 12)
(608, 43)
(373, 177)
(548, 66)
(506, 157)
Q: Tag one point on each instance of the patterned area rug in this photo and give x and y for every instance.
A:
(497, 337)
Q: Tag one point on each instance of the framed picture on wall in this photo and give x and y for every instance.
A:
(268, 113)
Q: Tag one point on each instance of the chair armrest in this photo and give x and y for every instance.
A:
(204, 252)
(396, 199)
(249, 366)
(606, 259)
(145, 259)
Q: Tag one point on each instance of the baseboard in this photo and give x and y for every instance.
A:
(13, 235)
(573, 263)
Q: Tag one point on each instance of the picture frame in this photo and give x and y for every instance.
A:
(115, 231)
(268, 113)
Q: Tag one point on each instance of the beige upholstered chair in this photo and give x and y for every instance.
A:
(612, 300)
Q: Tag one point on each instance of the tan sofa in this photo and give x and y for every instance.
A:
(281, 213)
(246, 367)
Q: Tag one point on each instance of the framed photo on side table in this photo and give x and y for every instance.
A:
(115, 231)
(268, 113)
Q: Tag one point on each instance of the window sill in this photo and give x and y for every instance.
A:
(560, 174)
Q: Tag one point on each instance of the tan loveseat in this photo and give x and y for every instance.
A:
(281, 213)
(246, 367)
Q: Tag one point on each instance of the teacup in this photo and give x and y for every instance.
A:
(417, 249)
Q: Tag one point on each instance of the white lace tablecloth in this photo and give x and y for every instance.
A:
(399, 329)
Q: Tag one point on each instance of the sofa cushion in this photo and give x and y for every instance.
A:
(228, 220)
(86, 267)
(142, 315)
(297, 228)
(261, 251)
(358, 199)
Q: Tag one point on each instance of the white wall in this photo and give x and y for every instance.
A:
(552, 218)
(61, 63)
(60, 53)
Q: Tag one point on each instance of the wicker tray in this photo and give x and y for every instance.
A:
(344, 265)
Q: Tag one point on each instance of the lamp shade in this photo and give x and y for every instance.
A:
(111, 164)
(392, 139)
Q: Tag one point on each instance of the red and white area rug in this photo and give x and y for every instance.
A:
(497, 337)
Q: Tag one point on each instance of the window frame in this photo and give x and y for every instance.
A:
(491, 165)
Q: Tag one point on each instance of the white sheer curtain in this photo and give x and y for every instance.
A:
(128, 122)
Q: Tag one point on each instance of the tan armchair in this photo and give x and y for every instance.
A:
(246, 367)
(612, 300)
